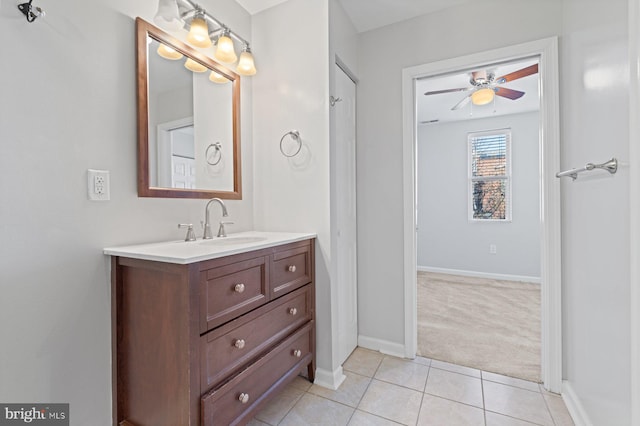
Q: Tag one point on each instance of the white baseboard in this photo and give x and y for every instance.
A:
(504, 277)
(383, 346)
(329, 379)
(571, 400)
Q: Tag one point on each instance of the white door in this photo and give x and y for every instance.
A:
(183, 172)
(344, 114)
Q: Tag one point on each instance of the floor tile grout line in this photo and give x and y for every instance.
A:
(293, 406)
(546, 404)
(515, 418)
(484, 405)
(453, 400)
(456, 372)
(511, 386)
(401, 386)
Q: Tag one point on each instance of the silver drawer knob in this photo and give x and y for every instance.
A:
(293, 311)
(239, 288)
(297, 353)
(244, 398)
(239, 343)
(292, 268)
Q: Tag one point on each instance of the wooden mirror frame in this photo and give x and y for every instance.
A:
(144, 29)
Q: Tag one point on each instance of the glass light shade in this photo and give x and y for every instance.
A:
(225, 52)
(168, 52)
(168, 15)
(199, 33)
(246, 66)
(482, 96)
(194, 66)
(217, 78)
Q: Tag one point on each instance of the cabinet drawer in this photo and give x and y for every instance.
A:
(237, 400)
(228, 348)
(232, 290)
(290, 270)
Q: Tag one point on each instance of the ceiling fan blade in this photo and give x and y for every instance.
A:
(438, 92)
(532, 69)
(462, 103)
(508, 93)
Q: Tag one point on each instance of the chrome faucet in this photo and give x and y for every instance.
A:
(207, 227)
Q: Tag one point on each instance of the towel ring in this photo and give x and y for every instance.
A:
(295, 135)
(217, 156)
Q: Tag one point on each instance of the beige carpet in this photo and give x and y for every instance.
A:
(486, 324)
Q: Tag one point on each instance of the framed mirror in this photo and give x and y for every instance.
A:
(188, 120)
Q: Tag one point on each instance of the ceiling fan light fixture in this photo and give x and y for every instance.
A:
(482, 96)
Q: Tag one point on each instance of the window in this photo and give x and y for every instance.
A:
(490, 175)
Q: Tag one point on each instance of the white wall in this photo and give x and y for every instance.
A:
(68, 104)
(449, 33)
(596, 284)
(446, 238)
(291, 93)
(594, 121)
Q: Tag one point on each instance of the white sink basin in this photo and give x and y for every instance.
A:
(184, 252)
(230, 241)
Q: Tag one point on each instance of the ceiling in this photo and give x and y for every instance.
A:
(370, 14)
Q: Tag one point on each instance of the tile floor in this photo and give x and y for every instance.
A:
(384, 390)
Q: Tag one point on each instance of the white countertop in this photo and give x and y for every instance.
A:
(185, 252)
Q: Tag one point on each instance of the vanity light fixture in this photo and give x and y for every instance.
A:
(225, 50)
(218, 78)
(482, 96)
(168, 52)
(246, 65)
(168, 15)
(201, 33)
(194, 66)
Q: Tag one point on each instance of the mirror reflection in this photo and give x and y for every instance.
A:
(192, 137)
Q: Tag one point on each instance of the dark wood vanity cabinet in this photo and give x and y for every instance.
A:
(209, 343)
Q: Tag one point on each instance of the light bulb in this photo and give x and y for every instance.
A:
(225, 51)
(217, 78)
(482, 96)
(194, 66)
(168, 52)
(246, 66)
(199, 33)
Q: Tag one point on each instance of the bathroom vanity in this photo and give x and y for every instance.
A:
(205, 332)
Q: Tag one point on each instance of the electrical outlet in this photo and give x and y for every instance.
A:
(493, 249)
(98, 184)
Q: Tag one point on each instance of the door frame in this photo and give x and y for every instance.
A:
(550, 271)
(340, 66)
(634, 186)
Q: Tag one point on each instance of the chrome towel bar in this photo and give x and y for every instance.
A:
(611, 166)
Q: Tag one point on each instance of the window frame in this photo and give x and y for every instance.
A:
(507, 177)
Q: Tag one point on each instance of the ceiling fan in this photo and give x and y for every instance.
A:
(484, 86)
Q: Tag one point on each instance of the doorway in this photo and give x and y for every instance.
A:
(546, 51)
(478, 216)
